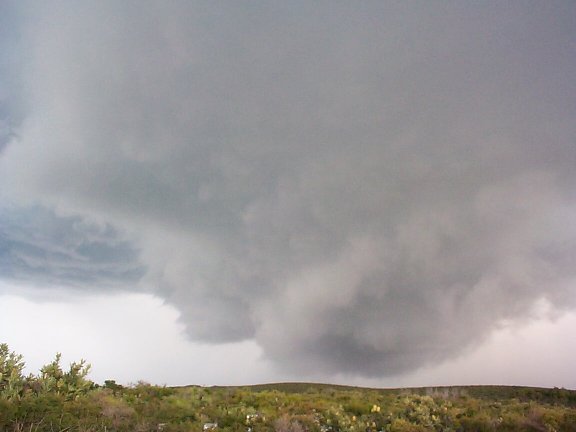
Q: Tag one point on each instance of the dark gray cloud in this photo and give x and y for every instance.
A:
(360, 187)
(11, 98)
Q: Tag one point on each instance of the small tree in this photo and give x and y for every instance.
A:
(70, 384)
(11, 379)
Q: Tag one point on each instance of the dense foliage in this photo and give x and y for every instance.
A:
(58, 400)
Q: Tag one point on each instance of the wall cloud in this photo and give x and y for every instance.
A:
(360, 187)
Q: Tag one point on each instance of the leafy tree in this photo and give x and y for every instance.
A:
(11, 379)
(112, 385)
(71, 384)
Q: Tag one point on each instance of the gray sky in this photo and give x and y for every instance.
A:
(363, 192)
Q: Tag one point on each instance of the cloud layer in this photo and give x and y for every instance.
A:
(360, 188)
(40, 247)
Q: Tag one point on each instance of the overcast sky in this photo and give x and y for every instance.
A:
(367, 192)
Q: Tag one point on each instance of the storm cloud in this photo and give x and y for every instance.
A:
(359, 187)
(40, 247)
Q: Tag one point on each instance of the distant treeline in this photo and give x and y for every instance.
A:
(64, 400)
(536, 394)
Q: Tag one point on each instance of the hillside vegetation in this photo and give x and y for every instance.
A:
(65, 400)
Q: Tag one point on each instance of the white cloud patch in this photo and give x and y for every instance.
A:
(125, 337)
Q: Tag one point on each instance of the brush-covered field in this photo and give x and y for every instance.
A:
(65, 400)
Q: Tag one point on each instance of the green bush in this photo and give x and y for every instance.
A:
(12, 381)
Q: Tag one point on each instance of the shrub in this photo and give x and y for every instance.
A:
(11, 379)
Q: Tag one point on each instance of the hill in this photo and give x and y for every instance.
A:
(60, 400)
(486, 392)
